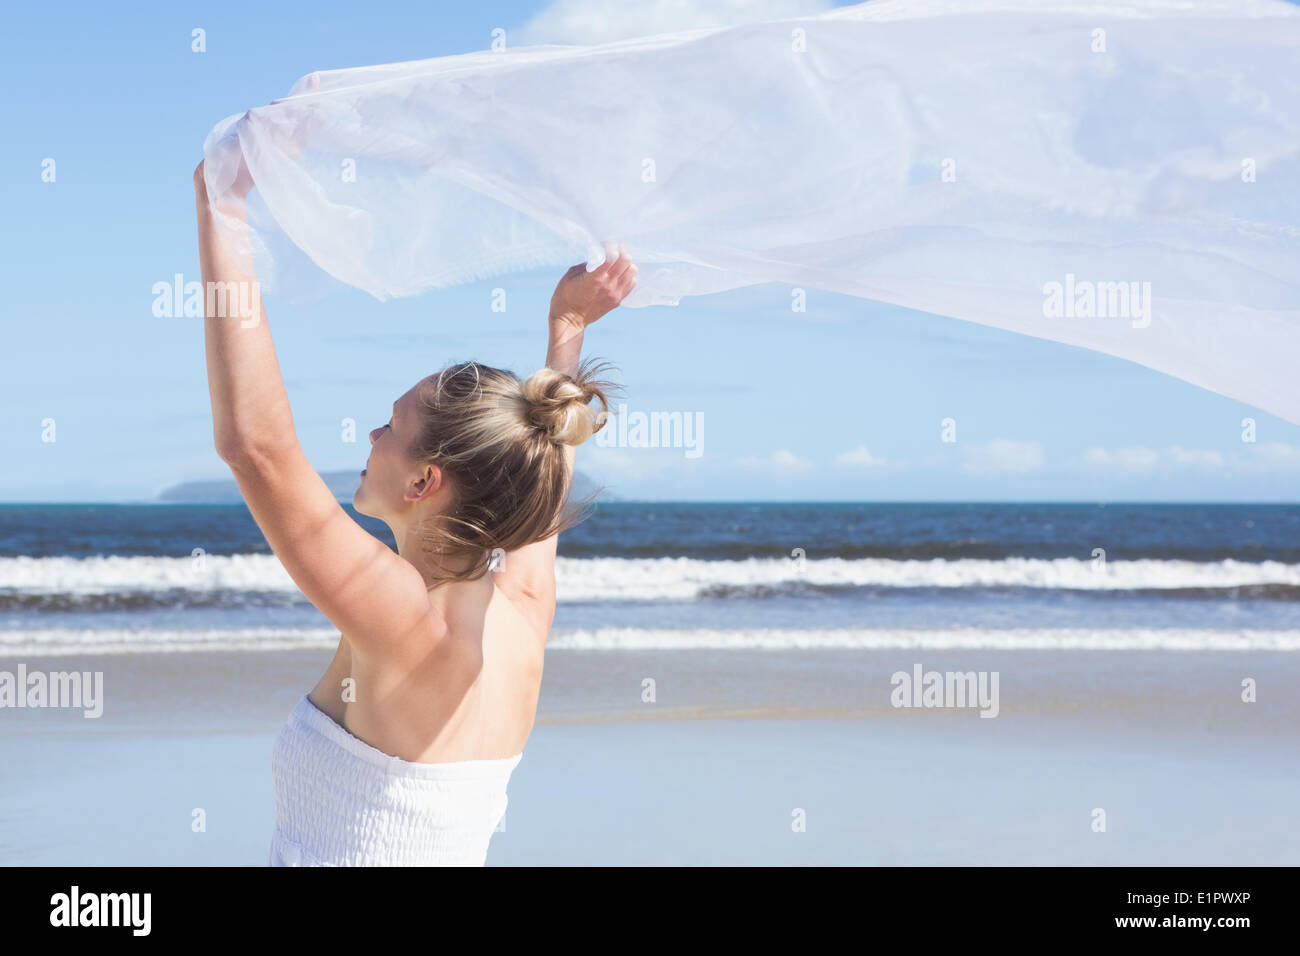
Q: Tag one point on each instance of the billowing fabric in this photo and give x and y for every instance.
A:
(1119, 176)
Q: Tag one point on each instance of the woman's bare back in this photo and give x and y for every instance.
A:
(469, 696)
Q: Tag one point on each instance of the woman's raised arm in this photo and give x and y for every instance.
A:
(374, 597)
(249, 404)
(580, 298)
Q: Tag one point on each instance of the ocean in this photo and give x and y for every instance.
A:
(105, 578)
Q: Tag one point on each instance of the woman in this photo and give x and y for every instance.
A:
(401, 753)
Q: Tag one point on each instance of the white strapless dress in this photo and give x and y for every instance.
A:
(341, 802)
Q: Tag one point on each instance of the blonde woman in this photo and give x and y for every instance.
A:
(401, 753)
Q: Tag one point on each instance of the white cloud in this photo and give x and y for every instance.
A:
(781, 460)
(1003, 455)
(1272, 456)
(1123, 459)
(1194, 458)
(600, 21)
(860, 458)
(1264, 458)
(621, 464)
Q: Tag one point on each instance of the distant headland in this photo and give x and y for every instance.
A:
(342, 483)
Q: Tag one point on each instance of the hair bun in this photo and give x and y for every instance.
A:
(560, 406)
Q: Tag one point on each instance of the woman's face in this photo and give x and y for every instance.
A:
(389, 470)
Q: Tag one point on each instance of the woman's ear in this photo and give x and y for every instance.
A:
(427, 485)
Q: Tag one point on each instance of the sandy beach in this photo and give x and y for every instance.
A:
(737, 746)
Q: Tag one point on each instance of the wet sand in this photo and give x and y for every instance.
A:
(737, 747)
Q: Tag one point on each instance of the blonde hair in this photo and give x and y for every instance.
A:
(501, 440)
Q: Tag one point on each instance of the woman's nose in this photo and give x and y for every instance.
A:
(374, 432)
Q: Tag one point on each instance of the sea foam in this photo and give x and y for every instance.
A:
(668, 579)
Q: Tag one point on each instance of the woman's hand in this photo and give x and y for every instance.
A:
(291, 147)
(582, 297)
(240, 188)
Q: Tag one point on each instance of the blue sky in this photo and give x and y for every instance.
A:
(842, 402)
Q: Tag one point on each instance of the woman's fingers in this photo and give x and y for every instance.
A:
(614, 255)
(622, 278)
(628, 283)
(592, 292)
(605, 257)
(621, 268)
(611, 252)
